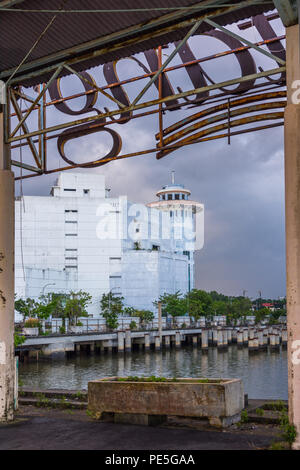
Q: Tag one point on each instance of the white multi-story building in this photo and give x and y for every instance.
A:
(79, 238)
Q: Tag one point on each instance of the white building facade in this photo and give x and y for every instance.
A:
(79, 238)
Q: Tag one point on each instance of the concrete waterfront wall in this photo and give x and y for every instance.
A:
(126, 341)
(219, 400)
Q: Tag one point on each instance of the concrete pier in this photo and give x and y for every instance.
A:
(229, 335)
(284, 338)
(167, 342)
(215, 337)
(157, 343)
(121, 342)
(225, 339)
(245, 336)
(147, 343)
(220, 339)
(195, 341)
(127, 341)
(177, 340)
(240, 338)
(204, 339)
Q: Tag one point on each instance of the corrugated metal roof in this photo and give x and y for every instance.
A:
(19, 31)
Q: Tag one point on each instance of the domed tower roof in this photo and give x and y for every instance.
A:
(175, 197)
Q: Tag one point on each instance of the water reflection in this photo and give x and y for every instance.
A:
(264, 374)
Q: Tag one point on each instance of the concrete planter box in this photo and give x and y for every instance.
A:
(218, 400)
(30, 331)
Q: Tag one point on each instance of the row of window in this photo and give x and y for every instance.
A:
(172, 197)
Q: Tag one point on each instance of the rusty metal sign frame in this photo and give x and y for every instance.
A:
(258, 99)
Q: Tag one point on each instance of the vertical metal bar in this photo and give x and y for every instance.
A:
(160, 83)
(229, 129)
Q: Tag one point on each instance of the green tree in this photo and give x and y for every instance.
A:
(145, 316)
(199, 303)
(172, 304)
(76, 306)
(28, 308)
(111, 308)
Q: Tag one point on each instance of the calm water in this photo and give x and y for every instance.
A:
(264, 374)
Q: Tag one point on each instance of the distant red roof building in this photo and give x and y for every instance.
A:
(268, 305)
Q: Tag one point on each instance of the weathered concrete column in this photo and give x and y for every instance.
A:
(272, 342)
(204, 339)
(7, 237)
(127, 341)
(167, 342)
(240, 338)
(121, 342)
(229, 335)
(177, 340)
(251, 333)
(92, 348)
(157, 343)
(260, 335)
(245, 336)
(225, 339)
(220, 338)
(147, 342)
(234, 335)
(284, 337)
(215, 337)
(195, 341)
(292, 214)
(77, 348)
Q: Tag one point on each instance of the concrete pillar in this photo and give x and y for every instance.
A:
(220, 339)
(225, 339)
(240, 338)
(147, 342)
(215, 336)
(195, 341)
(177, 340)
(109, 346)
(128, 341)
(229, 335)
(121, 342)
(157, 343)
(234, 335)
(77, 348)
(7, 237)
(251, 333)
(260, 335)
(210, 337)
(245, 336)
(284, 338)
(272, 342)
(167, 342)
(292, 210)
(92, 348)
(204, 339)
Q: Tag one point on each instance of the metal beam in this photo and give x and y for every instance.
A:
(121, 39)
(288, 11)
(167, 61)
(249, 43)
(156, 102)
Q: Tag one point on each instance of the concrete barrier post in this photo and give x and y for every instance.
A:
(177, 340)
(121, 341)
(127, 341)
(147, 342)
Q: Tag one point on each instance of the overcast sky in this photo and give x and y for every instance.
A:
(241, 185)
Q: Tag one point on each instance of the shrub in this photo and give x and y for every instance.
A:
(133, 325)
(32, 323)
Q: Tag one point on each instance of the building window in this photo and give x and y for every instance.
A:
(177, 197)
(71, 234)
(70, 210)
(155, 247)
(70, 221)
(69, 189)
(169, 197)
(71, 249)
(86, 192)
